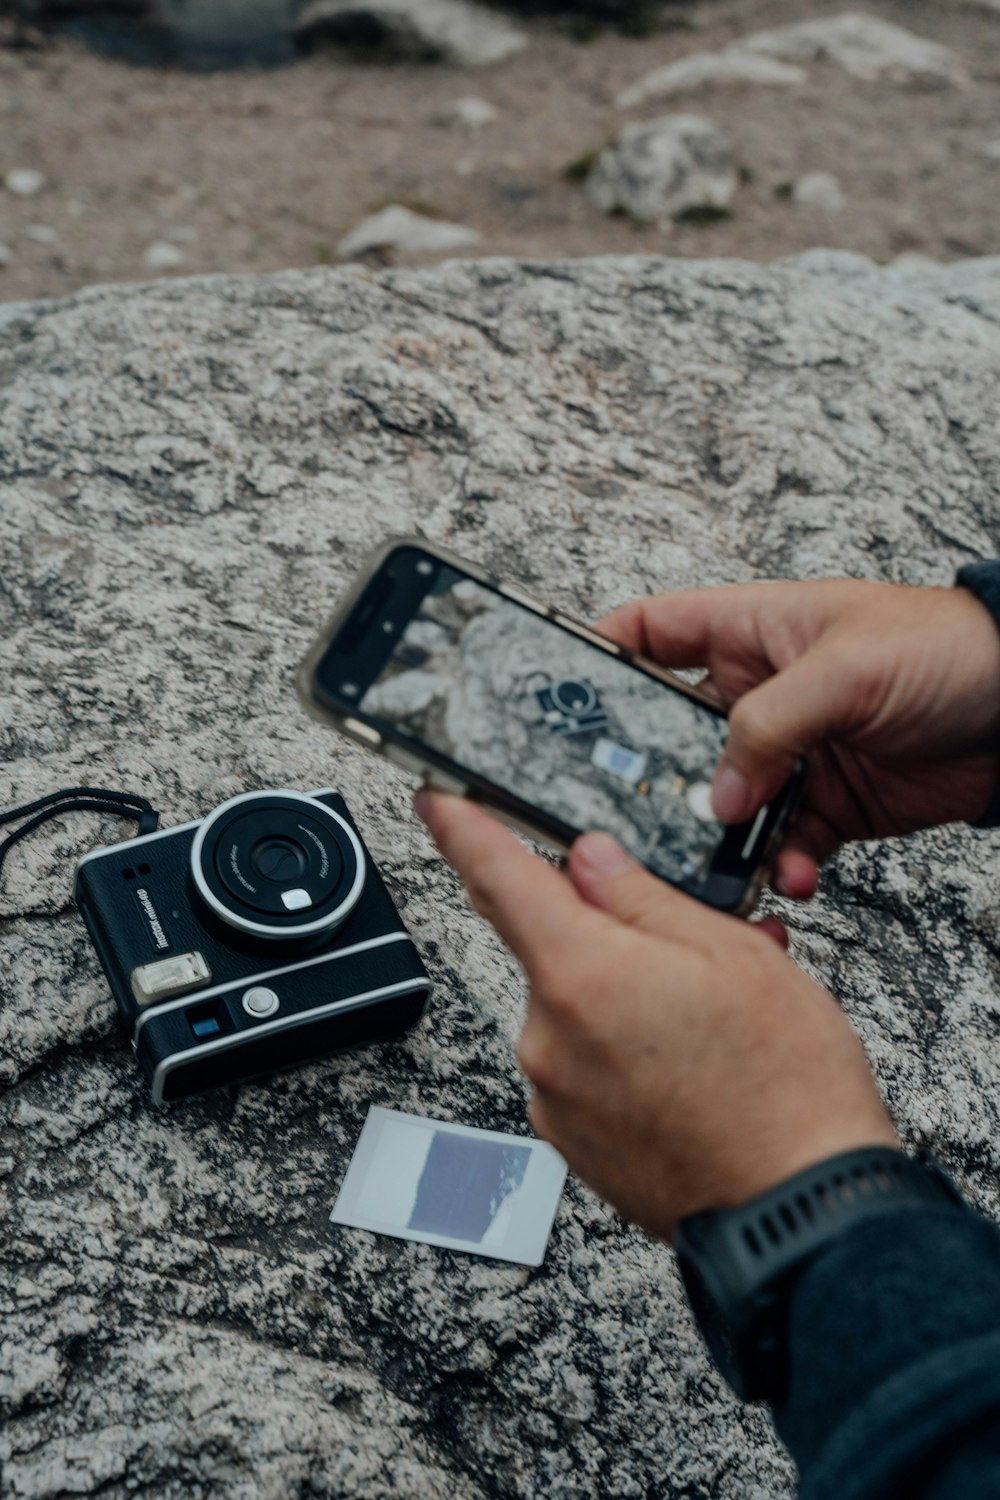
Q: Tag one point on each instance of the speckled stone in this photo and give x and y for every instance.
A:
(191, 473)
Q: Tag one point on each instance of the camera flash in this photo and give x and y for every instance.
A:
(296, 899)
(169, 976)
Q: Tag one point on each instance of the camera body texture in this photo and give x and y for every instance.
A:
(259, 937)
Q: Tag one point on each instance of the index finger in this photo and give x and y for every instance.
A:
(677, 630)
(532, 906)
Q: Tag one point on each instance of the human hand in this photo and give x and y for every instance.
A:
(680, 1061)
(893, 693)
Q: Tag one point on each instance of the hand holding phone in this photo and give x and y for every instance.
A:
(471, 684)
(680, 1060)
(892, 692)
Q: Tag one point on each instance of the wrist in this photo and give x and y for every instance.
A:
(980, 585)
(740, 1266)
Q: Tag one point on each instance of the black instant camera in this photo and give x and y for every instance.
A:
(259, 937)
(570, 705)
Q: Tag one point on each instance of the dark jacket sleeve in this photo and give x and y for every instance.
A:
(894, 1344)
(893, 1336)
(983, 580)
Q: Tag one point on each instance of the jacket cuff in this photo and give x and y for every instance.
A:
(894, 1348)
(983, 580)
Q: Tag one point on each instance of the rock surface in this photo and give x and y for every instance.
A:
(862, 45)
(192, 472)
(399, 228)
(732, 66)
(662, 169)
(451, 31)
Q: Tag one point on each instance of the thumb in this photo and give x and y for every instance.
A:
(609, 878)
(774, 724)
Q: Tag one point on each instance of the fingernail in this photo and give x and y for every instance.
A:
(782, 887)
(422, 802)
(732, 796)
(602, 854)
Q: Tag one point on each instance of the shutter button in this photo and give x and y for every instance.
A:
(260, 1001)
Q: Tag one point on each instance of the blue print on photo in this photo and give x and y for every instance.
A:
(464, 1183)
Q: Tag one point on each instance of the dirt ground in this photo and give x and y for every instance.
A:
(258, 170)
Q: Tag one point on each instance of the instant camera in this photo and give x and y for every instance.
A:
(259, 937)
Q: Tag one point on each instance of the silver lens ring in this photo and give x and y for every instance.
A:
(238, 913)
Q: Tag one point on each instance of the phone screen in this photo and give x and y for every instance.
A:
(574, 731)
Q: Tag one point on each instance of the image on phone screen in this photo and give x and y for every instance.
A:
(566, 727)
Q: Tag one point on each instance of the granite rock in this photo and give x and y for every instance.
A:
(191, 473)
(662, 169)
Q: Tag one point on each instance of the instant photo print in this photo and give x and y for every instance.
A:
(451, 1185)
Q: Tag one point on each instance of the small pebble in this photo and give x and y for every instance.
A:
(162, 256)
(24, 182)
(467, 114)
(399, 228)
(42, 234)
(6, 255)
(184, 234)
(819, 190)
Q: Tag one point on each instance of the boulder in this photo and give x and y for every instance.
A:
(731, 66)
(192, 472)
(863, 45)
(663, 169)
(451, 31)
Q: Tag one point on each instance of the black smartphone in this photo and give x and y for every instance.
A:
(469, 683)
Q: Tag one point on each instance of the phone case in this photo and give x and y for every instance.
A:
(558, 836)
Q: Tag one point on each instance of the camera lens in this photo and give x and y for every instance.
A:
(278, 865)
(278, 859)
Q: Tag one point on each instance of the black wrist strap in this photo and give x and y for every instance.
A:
(738, 1264)
(77, 799)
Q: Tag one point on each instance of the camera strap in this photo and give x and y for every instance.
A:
(77, 799)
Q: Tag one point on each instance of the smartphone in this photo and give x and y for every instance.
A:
(472, 685)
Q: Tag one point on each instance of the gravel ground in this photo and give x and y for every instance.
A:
(258, 170)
